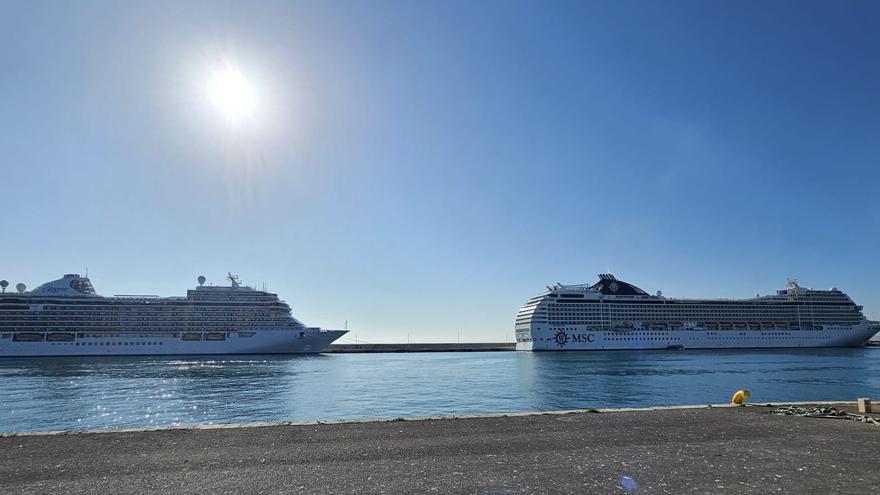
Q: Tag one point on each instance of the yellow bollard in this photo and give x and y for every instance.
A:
(740, 396)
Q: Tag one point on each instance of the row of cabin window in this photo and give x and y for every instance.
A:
(118, 343)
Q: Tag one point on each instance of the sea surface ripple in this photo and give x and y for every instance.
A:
(138, 392)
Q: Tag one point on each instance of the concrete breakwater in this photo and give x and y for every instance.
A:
(446, 347)
(671, 450)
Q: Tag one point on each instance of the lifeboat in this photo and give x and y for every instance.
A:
(622, 327)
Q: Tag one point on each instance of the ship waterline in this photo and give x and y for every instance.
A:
(615, 315)
(66, 317)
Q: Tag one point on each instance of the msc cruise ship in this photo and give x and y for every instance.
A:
(67, 318)
(612, 314)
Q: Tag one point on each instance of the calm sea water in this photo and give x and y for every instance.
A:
(87, 393)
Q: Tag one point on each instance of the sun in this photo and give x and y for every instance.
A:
(232, 94)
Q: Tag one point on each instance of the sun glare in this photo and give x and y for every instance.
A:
(232, 94)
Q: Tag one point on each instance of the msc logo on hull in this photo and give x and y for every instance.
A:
(562, 338)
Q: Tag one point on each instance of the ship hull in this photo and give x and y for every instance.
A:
(168, 344)
(581, 338)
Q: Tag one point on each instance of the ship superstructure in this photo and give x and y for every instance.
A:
(66, 317)
(612, 314)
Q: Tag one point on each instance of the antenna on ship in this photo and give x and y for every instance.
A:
(201, 280)
(346, 325)
(3, 285)
(233, 279)
(20, 287)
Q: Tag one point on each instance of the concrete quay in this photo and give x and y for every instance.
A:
(674, 450)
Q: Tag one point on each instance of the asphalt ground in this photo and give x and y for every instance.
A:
(714, 450)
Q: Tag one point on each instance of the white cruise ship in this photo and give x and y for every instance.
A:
(612, 314)
(66, 317)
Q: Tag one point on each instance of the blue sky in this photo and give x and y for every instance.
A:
(422, 168)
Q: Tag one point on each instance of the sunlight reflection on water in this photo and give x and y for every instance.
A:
(86, 393)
